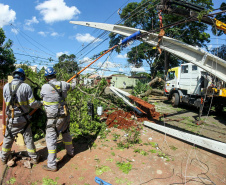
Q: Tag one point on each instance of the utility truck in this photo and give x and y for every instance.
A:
(190, 84)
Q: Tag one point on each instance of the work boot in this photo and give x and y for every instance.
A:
(36, 161)
(45, 167)
(70, 155)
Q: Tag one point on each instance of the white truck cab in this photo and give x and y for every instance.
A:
(184, 77)
(191, 85)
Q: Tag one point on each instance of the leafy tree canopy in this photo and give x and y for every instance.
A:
(144, 16)
(66, 67)
(7, 58)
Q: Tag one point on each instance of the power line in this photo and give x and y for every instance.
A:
(32, 40)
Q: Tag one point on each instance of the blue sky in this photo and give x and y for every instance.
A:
(40, 29)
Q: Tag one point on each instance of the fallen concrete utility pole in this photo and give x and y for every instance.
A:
(208, 62)
(142, 105)
(126, 101)
(210, 144)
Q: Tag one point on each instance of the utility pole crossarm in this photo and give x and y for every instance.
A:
(208, 62)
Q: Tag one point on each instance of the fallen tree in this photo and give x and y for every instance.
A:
(156, 92)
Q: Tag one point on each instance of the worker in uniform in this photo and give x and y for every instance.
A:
(58, 118)
(19, 98)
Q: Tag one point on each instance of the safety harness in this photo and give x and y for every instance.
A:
(14, 102)
(61, 99)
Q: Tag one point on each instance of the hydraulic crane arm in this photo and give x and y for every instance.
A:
(208, 62)
(189, 10)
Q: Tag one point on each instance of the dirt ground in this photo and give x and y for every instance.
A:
(155, 159)
(212, 125)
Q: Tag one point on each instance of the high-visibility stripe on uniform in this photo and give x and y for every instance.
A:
(57, 86)
(31, 151)
(50, 103)
(31, 100)
(23, 103)
(67, 143)
(52, 151)
(6, 149)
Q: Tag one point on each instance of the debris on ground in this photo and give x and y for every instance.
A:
(11, 162)
(122, 119)
(146, 107)
(27, 164)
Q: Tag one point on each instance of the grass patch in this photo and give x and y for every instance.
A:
(101, 169)
(11, 180)
(125, 167)
(48, 181)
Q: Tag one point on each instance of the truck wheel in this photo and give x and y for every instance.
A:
(175, 99)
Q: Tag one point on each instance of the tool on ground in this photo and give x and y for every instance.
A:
(100, 181)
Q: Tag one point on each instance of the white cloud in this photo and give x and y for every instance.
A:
(134, 69)
(14, 31)
(7, 16)
(54, 34)
(42, 33)
(210, 47)
(88, 70)
(122, 56)
(32, 21)
(85, 38)
(28, 23)
(56, 10)
(85, 60)
(108, 65)
(61, 53)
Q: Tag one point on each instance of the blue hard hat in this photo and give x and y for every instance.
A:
(19, 70)
(50, 71)
(19, 74)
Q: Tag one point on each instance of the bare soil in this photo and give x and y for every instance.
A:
(156, 159)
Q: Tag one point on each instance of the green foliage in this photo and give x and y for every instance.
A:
(115, 136)
(101, 169)
(140, 88)
(125, 167)
(132, 137)
(173, 147)
(142, 152)
(192, 32)
(7, 58)
(48, 181)
(66, 67)
(38, 119)
(122, 181)
(11, 180)
(110, 159)
(161, 154)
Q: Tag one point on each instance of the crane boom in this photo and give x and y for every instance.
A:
(208, 62)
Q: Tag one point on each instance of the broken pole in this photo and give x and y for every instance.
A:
(210, 144)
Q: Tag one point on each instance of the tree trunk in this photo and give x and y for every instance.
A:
(156, 92)
(153, 81)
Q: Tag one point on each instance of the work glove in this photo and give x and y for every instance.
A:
(3, 129)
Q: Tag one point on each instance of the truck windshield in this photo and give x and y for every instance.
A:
(171, 75)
